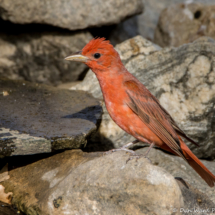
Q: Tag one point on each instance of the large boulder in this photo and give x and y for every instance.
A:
(181, 78)
(39, 56)
(186, 175)
(70, 14)
(184, 23)
(145, 23)
(37, 118)
(79, 183)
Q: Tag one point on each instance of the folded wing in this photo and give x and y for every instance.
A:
(148, 108)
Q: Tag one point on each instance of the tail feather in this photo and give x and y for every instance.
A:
(197, 165)
(204, 173)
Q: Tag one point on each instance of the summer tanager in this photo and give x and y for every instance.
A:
(133, 108)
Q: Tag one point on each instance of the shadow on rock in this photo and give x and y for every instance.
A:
(22, 161)
(91, 113)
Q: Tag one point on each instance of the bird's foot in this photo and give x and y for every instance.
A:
(141, 155)
(137, 156)
(124, 148)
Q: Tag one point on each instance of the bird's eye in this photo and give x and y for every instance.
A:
(97, 55)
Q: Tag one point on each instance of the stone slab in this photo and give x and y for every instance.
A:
(37, 118)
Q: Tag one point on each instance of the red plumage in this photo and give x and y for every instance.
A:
(135, 109)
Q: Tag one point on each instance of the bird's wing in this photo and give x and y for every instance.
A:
(174, 124)
(147, 107)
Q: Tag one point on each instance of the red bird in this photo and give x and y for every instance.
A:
(133, 108)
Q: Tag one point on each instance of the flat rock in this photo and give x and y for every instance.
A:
(196, 193)
(70, 14)
(37, 118)
(38, 56)
(184, 23)
(80, 183)
(183, 79)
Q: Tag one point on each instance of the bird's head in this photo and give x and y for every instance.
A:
(98, 54)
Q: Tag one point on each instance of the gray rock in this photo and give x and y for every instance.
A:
(71, 14)
(124, 30)
(143, 24)
(183, 79)
(39, 56)
(37, 118)
(184, 23)
(177, 167)
(147, 21)
(79, 183)
(195, 202)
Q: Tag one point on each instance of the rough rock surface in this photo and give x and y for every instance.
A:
(195, 202)
(39, 56)
(74, 182)
(36, 118)
(177, 167)
(143, 24)
(148, 20)
(183, 79)
(70, 14)
(184, 23)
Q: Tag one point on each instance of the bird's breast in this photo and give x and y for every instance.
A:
(115, 98)
(120, 113)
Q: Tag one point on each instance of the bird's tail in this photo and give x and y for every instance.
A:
(197, 165)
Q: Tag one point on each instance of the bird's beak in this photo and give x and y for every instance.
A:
(77, 56)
